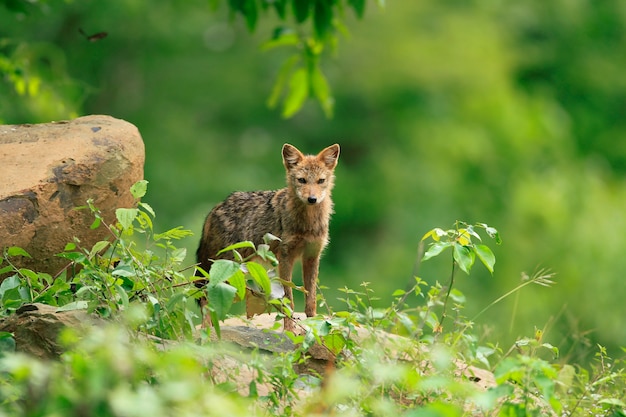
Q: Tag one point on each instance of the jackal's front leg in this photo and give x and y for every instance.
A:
(310, 267)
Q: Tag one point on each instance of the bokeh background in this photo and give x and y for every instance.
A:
(507, 113)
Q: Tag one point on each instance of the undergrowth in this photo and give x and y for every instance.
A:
(417, 357)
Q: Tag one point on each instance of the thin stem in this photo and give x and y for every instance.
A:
(445, 302)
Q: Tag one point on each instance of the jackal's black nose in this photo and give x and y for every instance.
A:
(312, 200)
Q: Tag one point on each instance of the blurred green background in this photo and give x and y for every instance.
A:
(508, 113)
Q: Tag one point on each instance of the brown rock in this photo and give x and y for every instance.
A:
(36, 328)
(47, 170)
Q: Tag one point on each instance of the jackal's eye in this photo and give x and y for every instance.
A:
(302, 180)
(321, 180)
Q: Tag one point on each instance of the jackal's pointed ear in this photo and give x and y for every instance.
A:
(291, 156)
(329, 156)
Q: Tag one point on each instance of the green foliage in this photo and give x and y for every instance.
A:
(308, 28)
(464, 251)
(446, 110)
(36, 71)
(397, 360)
(117, 275)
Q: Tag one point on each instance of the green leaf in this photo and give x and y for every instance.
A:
(221, 297)
(126, 216)
(175, 233)
(435, 249)
(123, 297)
(284, 39)
(464, 257)
(238, 280)
(72, 256)
(281, 80)
(259, 275)
(75, 305)
(96, 223)
(298, 92)
(280, 6)
(139, 189)
(335, 342)
(98, 247)
(322, 17)
(238, 245)
(486, 256)
(7, 343)
(221, 270)
(491, 232)
(264, 252)
(436, 234)
(32, 276)
(17, 251)
(613, 402)
(321, 90)
(301, 9)
(148, 208)
(9, 284)
(123, 271)
(358, 6)
(251, 12)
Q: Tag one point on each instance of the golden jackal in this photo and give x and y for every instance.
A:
(298, 214)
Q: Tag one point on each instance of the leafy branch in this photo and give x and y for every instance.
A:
(464, 251)
(308, 28)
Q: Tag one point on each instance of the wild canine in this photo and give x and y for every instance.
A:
(298, 214)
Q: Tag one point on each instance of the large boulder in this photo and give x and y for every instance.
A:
(47, 170)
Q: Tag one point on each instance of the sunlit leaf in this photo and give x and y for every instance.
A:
(281, 80)
(75, 305)
(435, 249)
(464, 257)
(238, 245)
(284, 39)
(259, 275)
(486, 256)
(221, 297)
(298, 92)
(321, 90)
(335, 342)
(96, 223)
(17, 251)
(139, 189)
(148, 208)
(126, 216)
(238, 280)
(464, 237)
(122, 296)
(98, 247)
(436, 234)
(221, 270)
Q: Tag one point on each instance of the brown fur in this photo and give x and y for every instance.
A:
(298, 214)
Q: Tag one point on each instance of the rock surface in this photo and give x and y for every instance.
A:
(36, 328)
(49, 169)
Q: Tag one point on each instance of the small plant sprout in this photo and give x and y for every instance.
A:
(466, 245)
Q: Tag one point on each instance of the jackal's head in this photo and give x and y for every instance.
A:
(310, 176)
